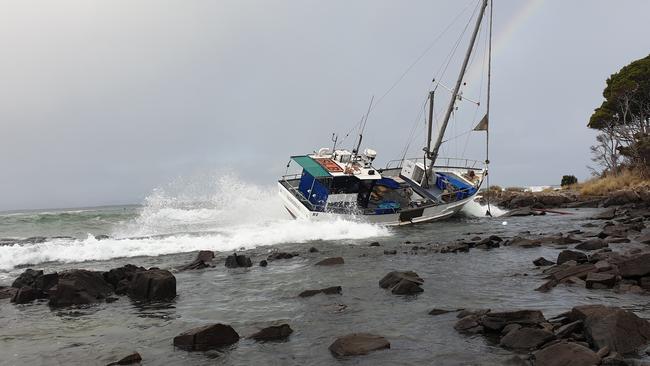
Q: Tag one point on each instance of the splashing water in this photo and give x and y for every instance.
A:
(214, 213)
(476, 209)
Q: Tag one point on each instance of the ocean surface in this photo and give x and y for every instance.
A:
(173, 223)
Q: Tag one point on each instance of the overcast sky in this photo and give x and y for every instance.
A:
(102, 101)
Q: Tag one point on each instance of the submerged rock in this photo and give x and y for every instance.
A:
(542, 262)
(273, 333)
(358, 344)
(331, 261)
(566, 354)
(24, 295)
(7, 292)
(206, 337)
(571, 255)
(597, 280)
(402, 283)
(281, 255)
(203, 260)
(235, 261)
(496, 321)
(153, 285)
(334, 290)
(592, 244)
(128, 360)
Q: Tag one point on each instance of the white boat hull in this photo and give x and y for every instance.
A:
(432, 213)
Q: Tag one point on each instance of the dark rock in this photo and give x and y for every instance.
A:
(571, 255)
(281, 255)
(455, 248)
(101, 237)
(496, 321)
(206, 337)
(78, 287)
(592, 244)
(313, 250)
(469, 324)
(566, 330)
(331, 261)
(402, 283)
(203, 260)
(635, 267)
(579, 271)
(566, 354)
(644, 238)
(120, 277)
(375, 244)
(436, 311)
(620, 330)
(46, 282)
(466, 312)
(334, 290)
(263, 263)
(358, 344)
(541, 261)
(235, 261)
(390, 252)
(27, 278)
(24, 295)
(7, 292)
(644, 282)
(153, 285)
(600, 280)
(518, 241)
(526, 338)
(34, 240)
(621, 197)
(606, 214)
(273, 333)
(128, 360)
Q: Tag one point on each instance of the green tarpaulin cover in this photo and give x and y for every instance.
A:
(311, 166)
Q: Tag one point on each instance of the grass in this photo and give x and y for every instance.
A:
(627, 179)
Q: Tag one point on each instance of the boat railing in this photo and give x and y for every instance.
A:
(457, 163)
(296, 192)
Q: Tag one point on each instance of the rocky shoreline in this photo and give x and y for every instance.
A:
(610, 253)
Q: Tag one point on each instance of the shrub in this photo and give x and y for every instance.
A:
(568, 180)
(601, 186)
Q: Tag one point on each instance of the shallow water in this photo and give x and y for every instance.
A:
(249, 299)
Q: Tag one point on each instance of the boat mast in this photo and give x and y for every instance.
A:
(433, 154)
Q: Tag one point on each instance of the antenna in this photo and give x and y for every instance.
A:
(335, 138)
(363, 127)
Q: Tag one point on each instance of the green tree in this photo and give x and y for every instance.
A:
(568, 180)
(623, 119)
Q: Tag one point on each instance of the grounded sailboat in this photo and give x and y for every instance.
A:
(337, 183)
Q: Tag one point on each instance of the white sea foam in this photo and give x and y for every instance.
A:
(223, 214)
(476, 209)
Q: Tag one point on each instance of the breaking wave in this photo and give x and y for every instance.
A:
(217, 213)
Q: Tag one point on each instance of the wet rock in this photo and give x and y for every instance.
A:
(281, 255)
(235, 261)
(635, 267)
(541, 262)
(263, 263)
(518, 241)
(206, 337)
(153, 285)
(496, 321)
(644, 283)
(101, 237)
(24, 295)
(34, 240)
(358, 344)
(7, 292)
(402, 283)
(644, 238)
(271, 333)
(606, 214)
(436, 311)
(27, 278)
(79, 286)
(621, 197)
(313, 250)
(592, 244)
(334, 290)
(203, 260)
(579, 271)
(128, 360)
(566, 354)
(524, 211)
(566, 330)
(469, 324)
(526, 338)
(375, 244)
(120, 278)
(331, 261)
(571, 255)
(455, 248)
(620, 330)
(46, 282)
(390, 252)
(600, 280)
(612, 240)
(466, 312)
